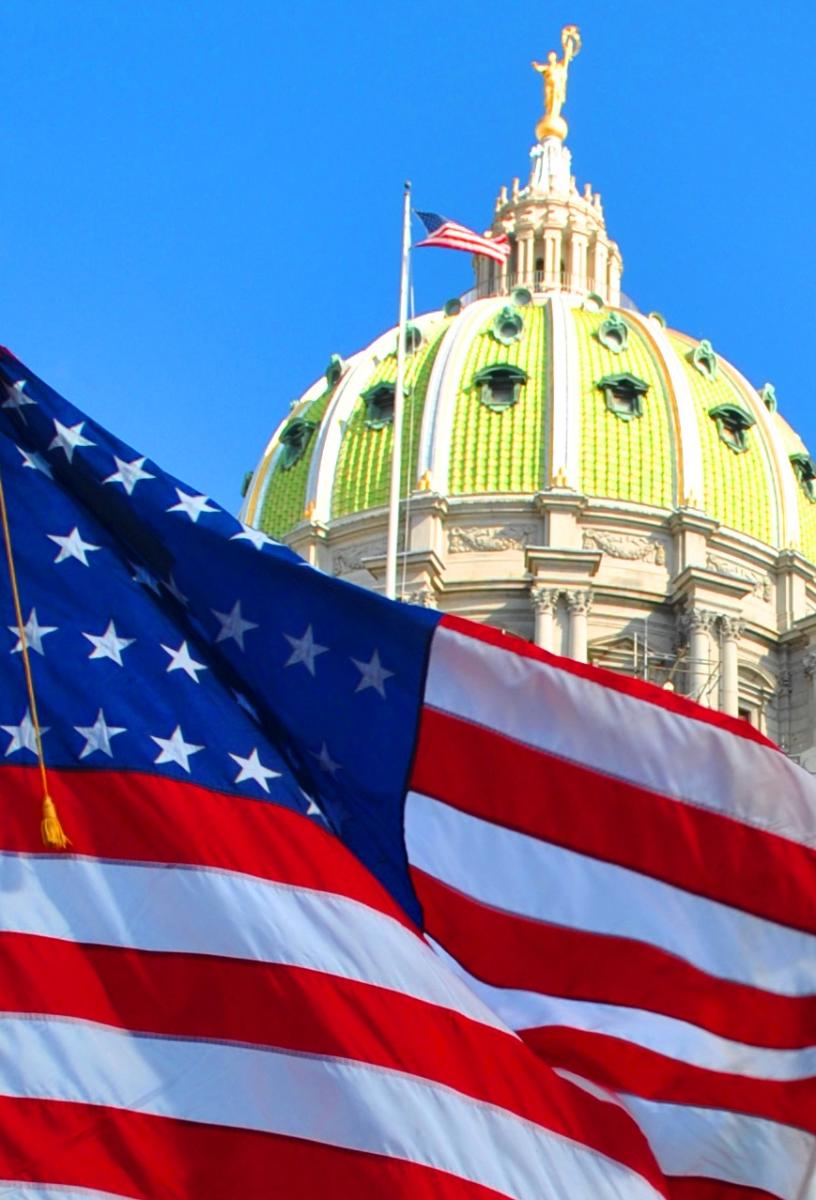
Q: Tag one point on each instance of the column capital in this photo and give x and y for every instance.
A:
(732, 628)
(424, 596)
(544, 599)
(579, 602)
(697, 620)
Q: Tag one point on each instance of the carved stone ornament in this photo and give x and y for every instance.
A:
(625, 545)
(496, 537)
(424, 596)
(809, 663)
(697, 620)
(544, 599)
(732, 628)
(579, 603)
(350, 558)
(762, 584)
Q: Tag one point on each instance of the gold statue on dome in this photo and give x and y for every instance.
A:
(554, 72)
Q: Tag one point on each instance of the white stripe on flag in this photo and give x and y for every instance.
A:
(580, 720)
(517, 873)
(319, 1098)
(21, 1189)
(750, 1151)
(146, 907)
(676, 1039)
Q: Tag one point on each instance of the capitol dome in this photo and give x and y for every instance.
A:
(573, 470)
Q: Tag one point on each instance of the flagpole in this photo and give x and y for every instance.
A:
(399, 388)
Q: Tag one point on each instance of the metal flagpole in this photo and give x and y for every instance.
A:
(399, 388)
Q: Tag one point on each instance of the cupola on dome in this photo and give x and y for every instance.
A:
(571, 466)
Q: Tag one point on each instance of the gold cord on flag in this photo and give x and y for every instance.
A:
(53, 835)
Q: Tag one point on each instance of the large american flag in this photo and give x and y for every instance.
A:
(450, 235)
(364, 898)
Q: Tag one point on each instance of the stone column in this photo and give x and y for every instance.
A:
(579, 604)
(730, 631)
(809, 663)
(614, 277)
(599, 258)
(529, 258)
(577, 262)
(544, 600)
(698, 622)
(552, 258)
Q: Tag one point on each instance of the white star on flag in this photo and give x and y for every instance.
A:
(23, 736)
(182, 660)
(233, 625)
(304, 650)
(35, 462)
(72, 546)
(68, 438)
(373, 673)
(16, 397)
(98, 736)
(128, 474)
(143, 576)
(108, 644)
(175, 750)
(252, 768)
(313, 809)
(258, 539)
(325, 761)
(34, 634)
(193, 506)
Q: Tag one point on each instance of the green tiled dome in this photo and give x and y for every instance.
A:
(517, 400)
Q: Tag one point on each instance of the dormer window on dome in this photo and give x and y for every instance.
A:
(733, 424)
(294, 440)
(613, 333)
(499, 386)
(805, 470)
(334, 370)
(507, 326)
(413, 339)
(623, 395)
(704, 360)
(768, 397)
(379, 402)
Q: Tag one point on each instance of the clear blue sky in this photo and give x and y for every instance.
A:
(201, 200)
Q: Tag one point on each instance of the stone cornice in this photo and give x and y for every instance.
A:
(549, 565)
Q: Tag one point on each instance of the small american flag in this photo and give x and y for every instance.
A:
(450, 235)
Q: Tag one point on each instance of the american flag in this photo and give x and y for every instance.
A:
(364, 897)
(450, 235)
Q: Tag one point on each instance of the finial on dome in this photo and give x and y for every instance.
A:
(554, 73)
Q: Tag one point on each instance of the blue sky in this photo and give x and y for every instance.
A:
(201, 200)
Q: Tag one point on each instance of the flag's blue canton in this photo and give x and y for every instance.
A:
(166, 637)
(431, 221)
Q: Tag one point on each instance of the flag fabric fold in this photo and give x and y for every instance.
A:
(222, 987)
(361, 893)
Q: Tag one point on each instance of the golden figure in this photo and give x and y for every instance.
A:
(554, 73)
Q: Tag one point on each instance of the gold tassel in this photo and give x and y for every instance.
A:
(53, 835)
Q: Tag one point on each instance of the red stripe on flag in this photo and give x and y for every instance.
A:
(157, 1158)
(512, 951)
(304, 1010)
(712, 1189)
(491, 776)
(626, 1067)
(156, 819)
